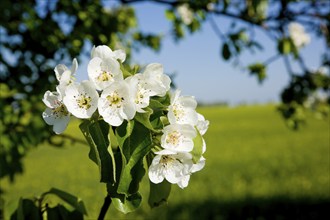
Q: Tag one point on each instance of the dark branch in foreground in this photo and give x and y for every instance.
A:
(105, 207)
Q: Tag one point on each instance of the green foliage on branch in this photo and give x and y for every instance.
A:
(54, 204)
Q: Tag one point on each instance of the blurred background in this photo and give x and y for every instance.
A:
(267, 100)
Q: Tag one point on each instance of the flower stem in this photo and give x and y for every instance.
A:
(105, 207)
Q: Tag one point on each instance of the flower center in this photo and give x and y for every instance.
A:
(140, 95)
(115, 100)
(178, 111)
(84, 102)
(60, 111)
(166, 160)
(173, 138)
(105, 76)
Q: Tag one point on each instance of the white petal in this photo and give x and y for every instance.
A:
(154, 68)
(203, 146)
(59, 70)
(113, 119)
(198, 166)
(155, 174)
(61, 124)
(102, 51)
(166, 152)
(202, 124)
(184, 181)
(188, 102)
(129, 111)
(120, 54)
(175, 96)
(172, 172)
(51, 99)
(48, 116)
(74, 66)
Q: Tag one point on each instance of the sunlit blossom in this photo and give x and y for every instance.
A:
(298, 35)
(65, 76)
(141, 91)
(178, 138)
(104, 52)
(185, 13)
(176, 168)
(81, 99)
(116, 103)
(102, 72)
(158, 82)
(56, 113)
(182, 109)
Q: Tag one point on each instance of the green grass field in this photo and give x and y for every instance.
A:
(255, 168)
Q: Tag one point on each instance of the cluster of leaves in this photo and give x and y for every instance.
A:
(296, 95)
(54, 204)
(35, 35)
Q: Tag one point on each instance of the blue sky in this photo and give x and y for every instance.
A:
(201, 72)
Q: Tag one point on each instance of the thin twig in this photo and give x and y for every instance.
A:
(272, 59)
(105, 207)
(288, 65)
(216, 29)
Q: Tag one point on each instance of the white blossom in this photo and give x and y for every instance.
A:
(186, 14)
(56, 113)
(116, 103)
(81, 99)
(104, 52)
(141, 91)
(182, 109)
(176, 168)
(169, 167)
(178, 138)
(298, 35)
(158, 82)
(103, 72)
(65, 76)
(202, 124)
(189, 169)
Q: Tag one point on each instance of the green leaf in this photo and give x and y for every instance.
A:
(124, 70)
(70, 199)
(120, 160)
(159, 193)
(226, 54)
(139, 145)
(60, 212)
(127, 204)
(259, 70)
(156, 104)
(284, 46)
(169, 14)
(156, 120)
(26, 210)
(198, 147)
(96, 134)
(149, 119)
(122, 133)
(85, 130)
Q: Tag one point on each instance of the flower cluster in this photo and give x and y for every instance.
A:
(116, 97)
(298, 35)
(174, 162)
